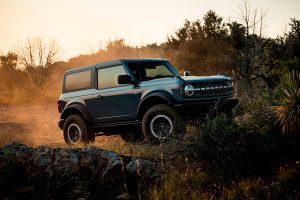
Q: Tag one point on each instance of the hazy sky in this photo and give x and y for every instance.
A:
(81, 25)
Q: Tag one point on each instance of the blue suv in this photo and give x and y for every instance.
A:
(147, 94)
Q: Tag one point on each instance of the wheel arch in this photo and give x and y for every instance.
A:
(75, 109)
(152, 99)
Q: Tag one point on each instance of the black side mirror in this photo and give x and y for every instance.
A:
(223, 74)
(187, 73)
(124, 79)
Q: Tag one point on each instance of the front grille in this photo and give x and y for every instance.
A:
(218, 88)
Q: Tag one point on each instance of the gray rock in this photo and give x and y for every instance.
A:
(106, 164)
(142, 167)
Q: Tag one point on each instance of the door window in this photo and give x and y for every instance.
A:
(78, 81)
(108, 77)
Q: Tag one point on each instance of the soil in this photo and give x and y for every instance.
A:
(35, 125)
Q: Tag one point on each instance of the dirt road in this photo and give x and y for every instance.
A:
(36, 125)
(30, 124)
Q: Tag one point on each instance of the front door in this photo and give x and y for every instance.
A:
(112, 102)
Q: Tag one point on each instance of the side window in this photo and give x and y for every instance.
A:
(78, 81)
(159, 70)
(108, 77)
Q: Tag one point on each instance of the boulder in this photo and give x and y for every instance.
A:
(59, 172)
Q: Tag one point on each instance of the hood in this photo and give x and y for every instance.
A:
(193, 79)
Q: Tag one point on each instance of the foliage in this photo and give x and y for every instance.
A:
(202, 48)
(231, 161)
(9, 75)
(261, 118)
(293, 39)
(283, 185)
(36, 57)
(287, 108)
(117, 49)
(231, 150)
(28, 71)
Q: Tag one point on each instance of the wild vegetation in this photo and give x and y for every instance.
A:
(256, 156)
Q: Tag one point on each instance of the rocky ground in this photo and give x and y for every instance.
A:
(35, 163)
(67, 173)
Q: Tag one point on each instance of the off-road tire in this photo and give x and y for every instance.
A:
(166, 114)
(76, 131)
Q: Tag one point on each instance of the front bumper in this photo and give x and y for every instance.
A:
(197, 107)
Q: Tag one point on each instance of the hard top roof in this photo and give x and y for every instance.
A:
(114, 62)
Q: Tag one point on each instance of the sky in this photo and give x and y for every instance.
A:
(83, 26)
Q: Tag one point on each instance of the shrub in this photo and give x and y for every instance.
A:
(287, 108)
(230, 150)
(284, 185)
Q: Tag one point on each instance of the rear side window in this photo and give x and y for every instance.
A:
(78, 81)
(108, 77)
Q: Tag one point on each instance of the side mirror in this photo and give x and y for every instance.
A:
(187, 73)
(124, 79)
(223, 74)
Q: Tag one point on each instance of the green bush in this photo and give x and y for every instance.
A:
(284, 185)
(231, 150)
(287, 105)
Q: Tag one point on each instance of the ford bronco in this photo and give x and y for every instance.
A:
(148, 94)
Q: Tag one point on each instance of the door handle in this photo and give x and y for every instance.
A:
(99, 97)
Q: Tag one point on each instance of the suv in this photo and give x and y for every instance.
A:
(148, 94)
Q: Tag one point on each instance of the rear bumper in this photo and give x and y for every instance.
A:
(60, 123)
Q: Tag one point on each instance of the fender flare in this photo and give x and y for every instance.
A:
(76, 108)
(163, 95)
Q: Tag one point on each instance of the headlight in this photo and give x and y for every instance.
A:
(232, 85)
(189, 90)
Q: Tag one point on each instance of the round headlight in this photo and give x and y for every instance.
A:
(189, 90)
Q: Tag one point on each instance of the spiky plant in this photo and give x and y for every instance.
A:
(287, 106)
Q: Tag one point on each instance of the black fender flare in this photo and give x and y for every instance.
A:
(162, 95)
(76, 108)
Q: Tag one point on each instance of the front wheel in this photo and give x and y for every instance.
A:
(162, 122)
(77, 131)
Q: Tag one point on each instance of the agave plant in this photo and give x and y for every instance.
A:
(287, 107)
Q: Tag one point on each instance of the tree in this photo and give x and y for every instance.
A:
(9, 75)
(203, 47)
(37, 57)
(248, 44)
(292, 40)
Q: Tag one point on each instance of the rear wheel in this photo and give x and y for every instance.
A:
(77, 131)
(162, 122)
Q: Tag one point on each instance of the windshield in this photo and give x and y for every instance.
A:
(144, 71)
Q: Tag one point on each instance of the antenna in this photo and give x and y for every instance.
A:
(137, 52)
(139, 66)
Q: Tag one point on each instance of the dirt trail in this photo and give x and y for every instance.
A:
(30, 124)
(36, 125)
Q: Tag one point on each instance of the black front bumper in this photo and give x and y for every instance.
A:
(198, 107)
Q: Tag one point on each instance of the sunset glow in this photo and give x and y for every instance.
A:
(82, 26)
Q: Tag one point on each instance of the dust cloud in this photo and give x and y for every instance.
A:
(30, 124)
(36, 125)
(28, 110)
